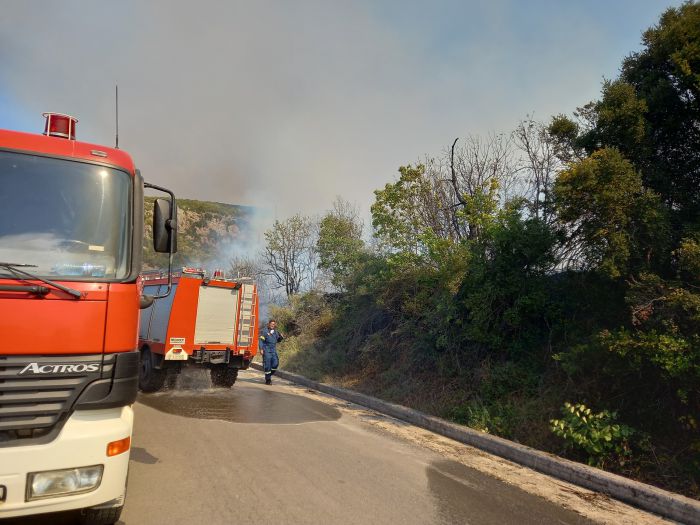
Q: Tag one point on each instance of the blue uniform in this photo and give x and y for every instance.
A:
(268, 344)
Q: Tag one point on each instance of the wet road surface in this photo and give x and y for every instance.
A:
(242, 405)
(259, 454)
(272, 455)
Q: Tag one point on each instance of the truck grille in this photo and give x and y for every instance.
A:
(34, 402)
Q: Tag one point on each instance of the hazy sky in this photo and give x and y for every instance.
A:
(286, 104)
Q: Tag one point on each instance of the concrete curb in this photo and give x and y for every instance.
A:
(647, 497)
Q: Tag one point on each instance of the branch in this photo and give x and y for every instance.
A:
(454, 174)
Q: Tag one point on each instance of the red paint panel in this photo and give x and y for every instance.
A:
(35, 143)
(184, 313)
(121, 333)
(45, 326)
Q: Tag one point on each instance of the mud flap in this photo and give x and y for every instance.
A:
(176, 353)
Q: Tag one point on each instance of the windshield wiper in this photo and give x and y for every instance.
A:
(14, 269)
(28, 288)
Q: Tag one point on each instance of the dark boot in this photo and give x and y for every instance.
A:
(268, 379)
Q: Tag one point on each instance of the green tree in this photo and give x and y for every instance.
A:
(666, 75)
(612, 220)
(504, 290)
(340, 242)
(396, 212)
(651, 113)
(618, 120)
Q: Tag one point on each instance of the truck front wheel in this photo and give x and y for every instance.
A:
(150, 378)
(223, 376)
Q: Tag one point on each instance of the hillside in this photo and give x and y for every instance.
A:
(210, 234)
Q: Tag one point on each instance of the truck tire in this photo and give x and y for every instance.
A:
(223, 376)
(150, 378)
(100, 516)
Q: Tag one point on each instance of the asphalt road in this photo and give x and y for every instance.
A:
(278, 455)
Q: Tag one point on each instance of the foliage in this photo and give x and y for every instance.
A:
(672, 355)
(648, 362)
(340, 242)
(617, 120)
(219, 208)
(490, 419)
(652, 113)
(616, 222)
(504, 292)
(666, 75)
(397, 215)
(598, 434)
(688, 257)
(564, 134)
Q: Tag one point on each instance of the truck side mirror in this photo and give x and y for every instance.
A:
(164, 227)
(145, 301)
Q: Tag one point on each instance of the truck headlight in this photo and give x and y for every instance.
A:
(54, 483)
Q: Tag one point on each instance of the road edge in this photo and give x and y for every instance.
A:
(647, 497)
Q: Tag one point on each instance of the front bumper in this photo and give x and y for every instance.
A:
(222, 357)
(82, 442)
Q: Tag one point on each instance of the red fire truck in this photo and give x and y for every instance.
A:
(71, 234)
(206, 320)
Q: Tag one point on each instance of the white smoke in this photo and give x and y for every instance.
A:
(283, 105)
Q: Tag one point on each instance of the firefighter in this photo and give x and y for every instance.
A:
(269, 337)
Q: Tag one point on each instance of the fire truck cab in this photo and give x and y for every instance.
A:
(71, 234)
(207, 320)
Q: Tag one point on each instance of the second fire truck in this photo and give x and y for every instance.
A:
(206, 320)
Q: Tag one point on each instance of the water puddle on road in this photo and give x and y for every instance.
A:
(248, 401)
(465, 495)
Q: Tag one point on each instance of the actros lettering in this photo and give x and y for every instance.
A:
(36, 368)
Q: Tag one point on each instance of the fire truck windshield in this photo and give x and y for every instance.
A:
(69, 219)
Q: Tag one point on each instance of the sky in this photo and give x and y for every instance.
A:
(285, 105)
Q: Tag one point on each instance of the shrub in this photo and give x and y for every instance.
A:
(598, 435)
(477, 415)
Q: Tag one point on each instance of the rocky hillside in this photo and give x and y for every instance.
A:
(210, 234)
